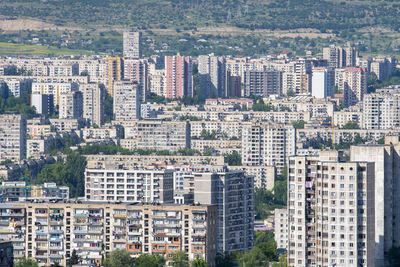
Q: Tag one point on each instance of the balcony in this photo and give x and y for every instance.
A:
(19, 247)
(56, 248)
(56, 231)
(56, 256)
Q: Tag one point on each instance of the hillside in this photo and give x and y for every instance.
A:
(346, 20)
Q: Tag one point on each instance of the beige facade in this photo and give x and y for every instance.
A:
(12, 137)
(49, 232)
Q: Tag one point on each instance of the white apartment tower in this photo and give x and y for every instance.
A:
(71, 105)
(132, 45)
(323, 82)
(12, 137)
(330, 212)
(268, 143)
(93, 102)
(126, 100)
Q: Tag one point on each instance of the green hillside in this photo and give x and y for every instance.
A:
(171, 20)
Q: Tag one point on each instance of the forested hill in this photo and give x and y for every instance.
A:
(323, 15)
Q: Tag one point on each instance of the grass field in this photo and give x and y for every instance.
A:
(21, 49)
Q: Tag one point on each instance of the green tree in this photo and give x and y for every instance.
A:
(180, 259)
(199, 262)
(351, 125)
(74, 259)
(299, 124)
(119, 258)
(224, 260)
(108, 108)
(148, 260)
(56, 264)
(234, 159)
(254, 257)
(282, 261)
(26, 262)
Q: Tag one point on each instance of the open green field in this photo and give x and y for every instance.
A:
(22, 49)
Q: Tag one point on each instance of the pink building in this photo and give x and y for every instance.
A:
(178, 72)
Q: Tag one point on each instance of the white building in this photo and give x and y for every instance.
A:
(126, 100)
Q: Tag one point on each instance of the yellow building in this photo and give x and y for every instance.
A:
(114, 72)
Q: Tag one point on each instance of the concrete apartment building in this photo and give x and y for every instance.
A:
(330, 212)
(20, 191)
(93, 102)
(263, 176)
(127, 100)
(281, 229)
(49, 232)
(44, 104)
(55, 89)
(12, 137)
(158, 134)
(114, 72)
(323, 82)
(387, 192)
(132, 45)
(340, 57)
(233, 193)
(178, 76)
(212, 76)
(353, 83)
(117, 183)
(268, 143)
(381, 111)
(71, 105)
(262, 83)
(136, 70)
(39, 146)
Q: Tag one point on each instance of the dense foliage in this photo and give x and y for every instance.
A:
(233, 159)
(19, 105)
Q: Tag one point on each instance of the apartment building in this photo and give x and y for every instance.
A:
(95, 69)
(71, 105)
(323, 82)
(118, 183)
(263, 176)
(44, 104)
(93, 102)
(281, 228)
(127, 100)
(49, 232)
(178, 76)
(114, 72)
(353, 83)
(268, 143)
(66, 125)
(12, 137)
(262, 83)
(55, 89)
(233, 193)
(387, 187)
(341, 118)
(136, 70)
(218, 146)
(340, 57)
(330, 211)
(158, 134)
(132, 45)
(132, 161)
(20, 191)
(381, 111)
(212, 75)
(39, 146)
(107, 131)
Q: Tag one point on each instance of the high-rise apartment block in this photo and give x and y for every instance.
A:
(323, 82)
(12, 137)
(387, 192)
(281, 228)
(268, 143)
(158, 134)
(233, 193)
(126, 100)
(50, 232)
(55, 89)
(262, 83)
(212, 76)
(178, 76)
(381, 111)
(132, 42)
(71, 105)
(353, 83)
(340, 57)
(128, 185)
(330, 212)
(137, 71)
(93, 102)
(44, 104)
(114, 72)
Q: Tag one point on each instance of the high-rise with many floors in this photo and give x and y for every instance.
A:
(178, 76)
(12, 137)
(132, 42)
(330, 212)
(126, 100)
(93, 102)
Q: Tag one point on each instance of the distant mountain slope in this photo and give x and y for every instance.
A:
(189, 14)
